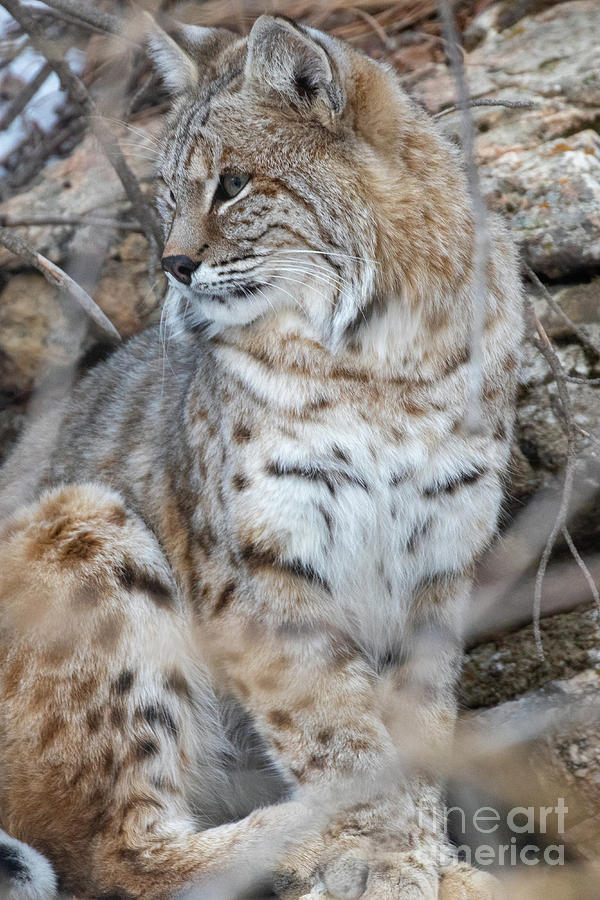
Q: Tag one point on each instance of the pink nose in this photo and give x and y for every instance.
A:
(180, 267)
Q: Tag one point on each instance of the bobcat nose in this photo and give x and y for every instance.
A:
(180, 267)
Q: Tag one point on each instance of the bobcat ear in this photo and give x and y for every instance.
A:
(178, 70)
(288, 61)
(184, 59)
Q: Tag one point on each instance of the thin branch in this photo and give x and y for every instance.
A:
(59, 279)
(140, 208)
(88, 14)
(584, 569)
(108, 142)
(555, 307)
(40, 221)
(544, 345)
(473, 418)
(510, 104)
(49, 144)
(11, 48)
(388, 42)
(541, 341)
(43, 15)
(586, 434)
(24, 96)
(573, 379)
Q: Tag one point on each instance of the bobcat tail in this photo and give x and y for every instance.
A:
(24, 873)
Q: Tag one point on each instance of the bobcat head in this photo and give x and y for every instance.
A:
(298, 179)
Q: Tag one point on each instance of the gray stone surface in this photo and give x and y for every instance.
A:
(501, 670)
(541, 167)
(552, 193)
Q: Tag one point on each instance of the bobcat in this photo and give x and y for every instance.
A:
(231, 601)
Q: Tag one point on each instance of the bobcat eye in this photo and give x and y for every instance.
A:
(172, 200)
(231, 185)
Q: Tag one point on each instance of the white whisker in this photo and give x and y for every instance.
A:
(335, 253)
(297, 281)
(326, 279)
(298, 303)
(163, 339)
(139, 132)
(150, 152)
(326, 269)
(262, 293)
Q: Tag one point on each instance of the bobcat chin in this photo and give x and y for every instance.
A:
(232, 598)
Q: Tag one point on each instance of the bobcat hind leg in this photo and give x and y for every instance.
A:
(106, 719)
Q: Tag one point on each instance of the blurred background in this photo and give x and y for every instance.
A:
(530, 731)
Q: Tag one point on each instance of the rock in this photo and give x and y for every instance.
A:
(581, 302)
(35, 330)
(545, 719)
(526, 788)
(32, 323)
(124, 291)
(540, 167)
(503, 669)
(549, 745)
(82, 184)
(553, 195)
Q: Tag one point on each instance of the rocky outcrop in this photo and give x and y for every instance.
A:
(541, 167)
(112, 264)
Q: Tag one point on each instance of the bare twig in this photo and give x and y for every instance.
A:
(29, 139)
(510, 104)
(573, 379)
(59, 279)
(23, 97)
(42, 16)
(584, 569)
(555, 307)
(388, 42)
(49, 145)
(108, 142)
(472, 419)
(542, 342)
(89, 14)
(10, 49)
(40, 221)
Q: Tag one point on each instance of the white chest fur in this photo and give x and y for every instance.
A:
(368, 514)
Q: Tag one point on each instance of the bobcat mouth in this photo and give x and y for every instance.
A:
(235, 291)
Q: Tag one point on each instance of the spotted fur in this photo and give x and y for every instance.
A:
(264, 554)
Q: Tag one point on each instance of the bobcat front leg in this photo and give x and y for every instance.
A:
(339, 730)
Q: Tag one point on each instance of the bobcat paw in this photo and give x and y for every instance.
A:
(462, 882)
(318, 893)
(346, 877)
(343, 878)
(383, 877)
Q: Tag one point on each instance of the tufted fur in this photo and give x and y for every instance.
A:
(264, 601)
